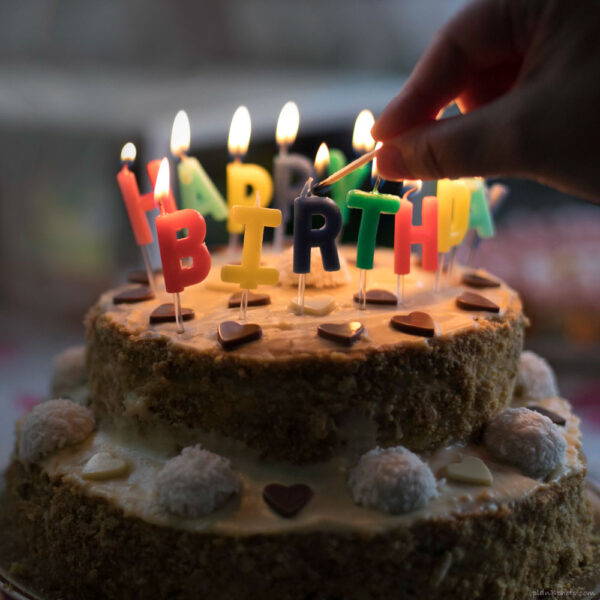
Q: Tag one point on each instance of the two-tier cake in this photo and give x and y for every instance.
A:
(402, 451)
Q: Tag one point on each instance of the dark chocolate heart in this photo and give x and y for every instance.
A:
(342, 333)
(136, 294)
(472, 301)
(287, 500)
(415, 323)
(253, 300)
(556, 419)
(232, 333)
(166, 313)
(141, 276)
(479, 281)
(378, 297)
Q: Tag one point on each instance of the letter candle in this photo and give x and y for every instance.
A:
(287, 167)
(454, 200)
(241, 176)
(174, 250)
(306, 238)
(406, 234)
(372, 205)
(249, 274)
(481, 221)
(138, 205)
(196, 187)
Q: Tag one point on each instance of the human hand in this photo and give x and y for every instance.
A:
(526, 75)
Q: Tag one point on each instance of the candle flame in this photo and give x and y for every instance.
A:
(162, 185)
(361, 138)
(374, 171)
(322, 158)
(239, 132)
(413, 185)
(128, 153)
(287, 124)
(180, 134)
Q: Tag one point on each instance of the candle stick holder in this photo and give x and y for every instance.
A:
(362, 289)
(436, 283)
(244, 305)
(301, 291)
(148, 267)
(178, 318)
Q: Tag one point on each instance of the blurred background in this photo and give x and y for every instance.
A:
(80, 78)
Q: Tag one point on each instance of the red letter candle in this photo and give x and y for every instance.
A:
(406, 234)
(174, 250)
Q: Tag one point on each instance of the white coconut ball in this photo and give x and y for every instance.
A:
(53, 425)
(393, 480)
(69, 372)
(535, 378)
(195, 483)
(526, 439)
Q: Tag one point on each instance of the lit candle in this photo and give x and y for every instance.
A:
(197, 189)
(249, 274)
(174, 250)
(137, 206)
(372, 204)
(244, 181)
(406, 234)
(362, 142)
(288, 167)
(306, 237)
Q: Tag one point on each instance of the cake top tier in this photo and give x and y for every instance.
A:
(298, 391)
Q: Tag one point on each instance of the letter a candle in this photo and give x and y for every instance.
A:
(174, 250)
(249, 274)
(196, 187)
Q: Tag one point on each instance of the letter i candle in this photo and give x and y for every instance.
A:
(306, 237)
(249, 274)
(174, 250)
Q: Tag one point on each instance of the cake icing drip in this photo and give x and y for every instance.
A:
(286, 334)
(52, 425)
(528, 440)
(331, 509)
(393, 480)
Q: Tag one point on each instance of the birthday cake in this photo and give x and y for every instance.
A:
(402, 451)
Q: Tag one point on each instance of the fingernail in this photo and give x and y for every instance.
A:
(391, 164)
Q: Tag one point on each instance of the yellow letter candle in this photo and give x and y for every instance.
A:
(244, 181)
(249, 274)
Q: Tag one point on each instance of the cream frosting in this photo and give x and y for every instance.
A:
(331, 509)
(286, 334)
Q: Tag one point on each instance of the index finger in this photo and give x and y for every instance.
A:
(479, 36)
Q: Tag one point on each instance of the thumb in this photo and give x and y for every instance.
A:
(486, 141)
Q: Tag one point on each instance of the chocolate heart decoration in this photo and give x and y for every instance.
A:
(287, 500)
(342, 333)
(141, 276)
(232, 334)
(166, 313)
(472, 301)
(378, 297)
(136, 294)
(479, 281)
(415, 323)
(556, 419)
(253, 300)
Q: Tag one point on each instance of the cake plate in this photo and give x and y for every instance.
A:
(586, 585)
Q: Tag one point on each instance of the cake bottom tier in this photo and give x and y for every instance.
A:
(69, 545)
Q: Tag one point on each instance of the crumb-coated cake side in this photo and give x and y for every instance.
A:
(76, 537)
(291, 393)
